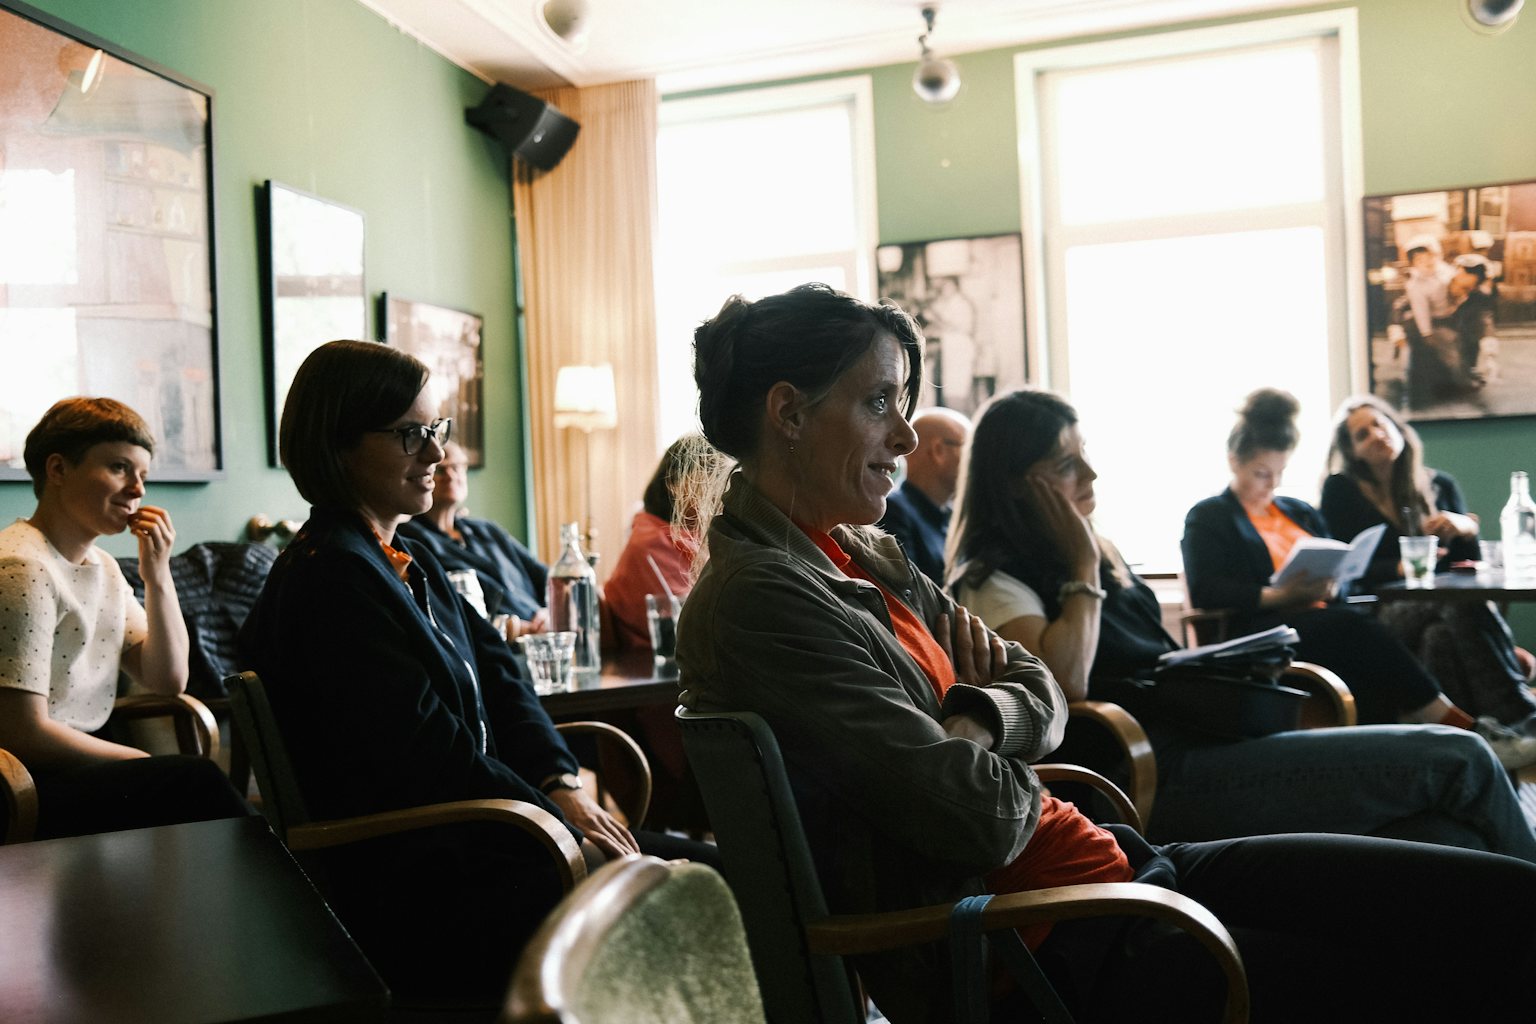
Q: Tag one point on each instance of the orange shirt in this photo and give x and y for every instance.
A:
(1067, 848)
(1278, 532)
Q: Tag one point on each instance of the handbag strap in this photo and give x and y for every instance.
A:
(970, 980)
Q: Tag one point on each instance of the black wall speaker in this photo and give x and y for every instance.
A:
(531, 129)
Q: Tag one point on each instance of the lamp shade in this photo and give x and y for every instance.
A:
(585, 399)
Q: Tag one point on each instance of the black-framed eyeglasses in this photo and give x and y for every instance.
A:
(412, 438)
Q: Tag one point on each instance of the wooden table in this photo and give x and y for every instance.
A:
(184, 924)
(629, 680)
(1461, 586)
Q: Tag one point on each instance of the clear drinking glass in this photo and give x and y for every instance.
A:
(549, 660)
(1418, 555)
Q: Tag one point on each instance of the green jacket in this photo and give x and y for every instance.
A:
(898, 814)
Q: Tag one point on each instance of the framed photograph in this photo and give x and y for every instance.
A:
(448, 341)
(106, 241)
(968, 295)
(1451, 299)
(312, 260)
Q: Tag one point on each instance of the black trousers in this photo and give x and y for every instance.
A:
(1330, 927)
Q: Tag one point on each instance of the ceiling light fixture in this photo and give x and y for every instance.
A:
(936, 79)
(567, 19)
(1490, 16)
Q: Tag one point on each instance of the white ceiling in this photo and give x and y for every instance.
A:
(695, 44)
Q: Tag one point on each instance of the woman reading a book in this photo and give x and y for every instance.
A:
(1379, 478)
(1027, 559)
(1236, 541)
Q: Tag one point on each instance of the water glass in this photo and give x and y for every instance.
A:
(663, 625)
(549, 660)
(467, 583)
(1418, 555)
(1491, 554)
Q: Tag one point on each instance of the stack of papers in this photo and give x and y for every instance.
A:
(1242, 648)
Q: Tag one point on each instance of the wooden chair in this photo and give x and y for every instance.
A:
(289, 817)
(642, 941)
(797, 946)
(195, 732)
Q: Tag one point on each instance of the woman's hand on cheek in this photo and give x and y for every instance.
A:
(1069, 530)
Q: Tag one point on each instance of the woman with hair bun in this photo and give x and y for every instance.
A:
(1235, 541)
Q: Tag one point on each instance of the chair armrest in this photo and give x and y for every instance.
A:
(196, 730)
(634, 799)
(1208, 625)
(1048, 773)
(1135, 745)
(20, 800)
(550, 832)
(1330, 702)
(853, 934)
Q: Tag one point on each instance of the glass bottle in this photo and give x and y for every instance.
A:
(1517, 530)
(572, 600)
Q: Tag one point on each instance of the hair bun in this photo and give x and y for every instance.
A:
(1270, 406)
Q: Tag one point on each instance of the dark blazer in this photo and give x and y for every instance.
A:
(1226, 564)
(408, 696)
(920, 525)
(513, 580)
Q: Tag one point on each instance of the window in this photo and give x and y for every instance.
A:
(1194, 232)
(757, 191)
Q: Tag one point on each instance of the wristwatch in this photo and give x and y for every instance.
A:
(565, 780)
(1079, 587)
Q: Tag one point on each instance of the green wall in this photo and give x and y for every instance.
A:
(325, 96)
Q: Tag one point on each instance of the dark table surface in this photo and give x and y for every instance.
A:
(1461, 586)
(629, 680)
(206, 922)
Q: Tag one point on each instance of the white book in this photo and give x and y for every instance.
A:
(1326, 558)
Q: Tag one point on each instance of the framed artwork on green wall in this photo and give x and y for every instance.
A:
(1451, 300)
(968, 295)
(106, 241)
(312, 266)
(448, 341)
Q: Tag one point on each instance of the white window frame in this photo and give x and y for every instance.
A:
(1046, 240)
(855, 90)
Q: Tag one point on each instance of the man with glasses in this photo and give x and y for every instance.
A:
(917, 512)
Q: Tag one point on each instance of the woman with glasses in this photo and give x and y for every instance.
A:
(391, 692)
(511, 579)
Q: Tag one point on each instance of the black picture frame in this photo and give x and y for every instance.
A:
(313, 264)
(451, 343)
(106, 241)
(968, 296)
(1453, 338)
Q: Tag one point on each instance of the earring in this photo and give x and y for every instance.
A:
(791, 447)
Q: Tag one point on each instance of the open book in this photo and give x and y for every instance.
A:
(1237, 649)
(1325, 558)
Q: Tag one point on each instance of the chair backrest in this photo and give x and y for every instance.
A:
(641, 941)
(768, 864)
(252, 718)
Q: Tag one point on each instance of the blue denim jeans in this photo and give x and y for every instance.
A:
(1429, 783)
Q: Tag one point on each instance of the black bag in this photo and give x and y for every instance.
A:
(1231, 689)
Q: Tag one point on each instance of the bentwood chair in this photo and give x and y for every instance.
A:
(642, 941)
(798, 946)
(287, 813)
(193, 726)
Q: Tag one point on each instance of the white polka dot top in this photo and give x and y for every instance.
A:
(63, 627)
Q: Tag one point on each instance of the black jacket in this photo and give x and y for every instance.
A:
(1226, 564)
(389, 696)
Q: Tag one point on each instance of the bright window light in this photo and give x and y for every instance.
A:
(37, 227)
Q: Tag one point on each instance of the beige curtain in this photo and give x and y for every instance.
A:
(584, 236)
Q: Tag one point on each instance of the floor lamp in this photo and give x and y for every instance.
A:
(585, 400)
